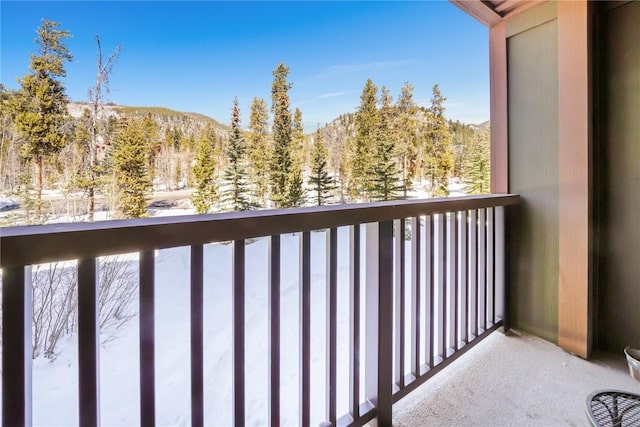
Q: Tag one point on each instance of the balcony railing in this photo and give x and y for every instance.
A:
(432, 284)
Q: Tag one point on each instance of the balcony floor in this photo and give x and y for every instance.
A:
(515, 380)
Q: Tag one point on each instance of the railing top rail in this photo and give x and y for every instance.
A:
(27, 245)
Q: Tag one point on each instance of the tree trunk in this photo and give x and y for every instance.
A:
(38, 187)
(404, 175)
(91, 203)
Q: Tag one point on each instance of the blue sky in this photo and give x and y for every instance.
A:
(196, 56)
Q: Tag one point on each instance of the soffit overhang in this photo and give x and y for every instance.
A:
(491, 12)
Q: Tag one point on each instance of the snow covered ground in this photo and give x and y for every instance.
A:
(55, 392)
(55, 383)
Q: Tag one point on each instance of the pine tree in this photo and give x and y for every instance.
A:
(129, 165)
(259, 150)
(42, 101)
(297, 139)
(7, 139)
(462, 138)
(439, 156)
(152, 140)
(235, 194)
(83, 178)
(477, 168)
(281, 164)
(406, 126)
(296, 194)
(204, 177)
(360, 156)
(319, 178)
(385, 182)
(338, 137)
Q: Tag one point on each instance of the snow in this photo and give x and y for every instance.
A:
(55, 395)
(8, 204)
(456, 188)
(55, 383)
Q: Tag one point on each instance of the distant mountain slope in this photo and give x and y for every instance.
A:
(484, 125)
(188, 123)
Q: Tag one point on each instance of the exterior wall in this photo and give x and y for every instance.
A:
(619, 281)
(532, 61)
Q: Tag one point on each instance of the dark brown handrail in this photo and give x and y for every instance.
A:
(28, 245)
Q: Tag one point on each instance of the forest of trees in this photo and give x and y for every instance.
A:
(119, 155)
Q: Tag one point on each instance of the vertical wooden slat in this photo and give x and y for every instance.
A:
(274, 331)
(16, 346)
(88, 336)
(305, 329)
(385, 328)
(507, 232)
(379, 319)
(473, 273)
(332, 301)
(399, 226)
(482, 269)
(238, 333)
(354, 321)
(446, 283)
(197, 337)
(464, 280)
(500, 264)
(442, 286)
(415, 296)
(491, 285)
(449, 291)
(454, 334)
(431, 287)
(147, 340)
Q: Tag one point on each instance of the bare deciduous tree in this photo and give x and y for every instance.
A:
(54, 298)
(117, 289)
(97, 109)
(55, 301)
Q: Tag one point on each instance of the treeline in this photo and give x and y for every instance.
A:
(381, 152)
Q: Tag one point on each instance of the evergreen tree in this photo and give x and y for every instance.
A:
(406, 125)
(173, 137)
(385, 182)
(204, 177)
(129, 165)
(439, 156)
(7, 139)
(258, 149)
(42, 101)
(236, 192)
(338, 137)
(169, 158)
(477, 168)
(360, 156)
(462, 138)
(319, 178)
(281, 163)
(152, 140)
(296, 194)
(82, 138)
(297, 139)
(219, 153)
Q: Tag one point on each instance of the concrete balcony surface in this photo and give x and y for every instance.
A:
(514, 380)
